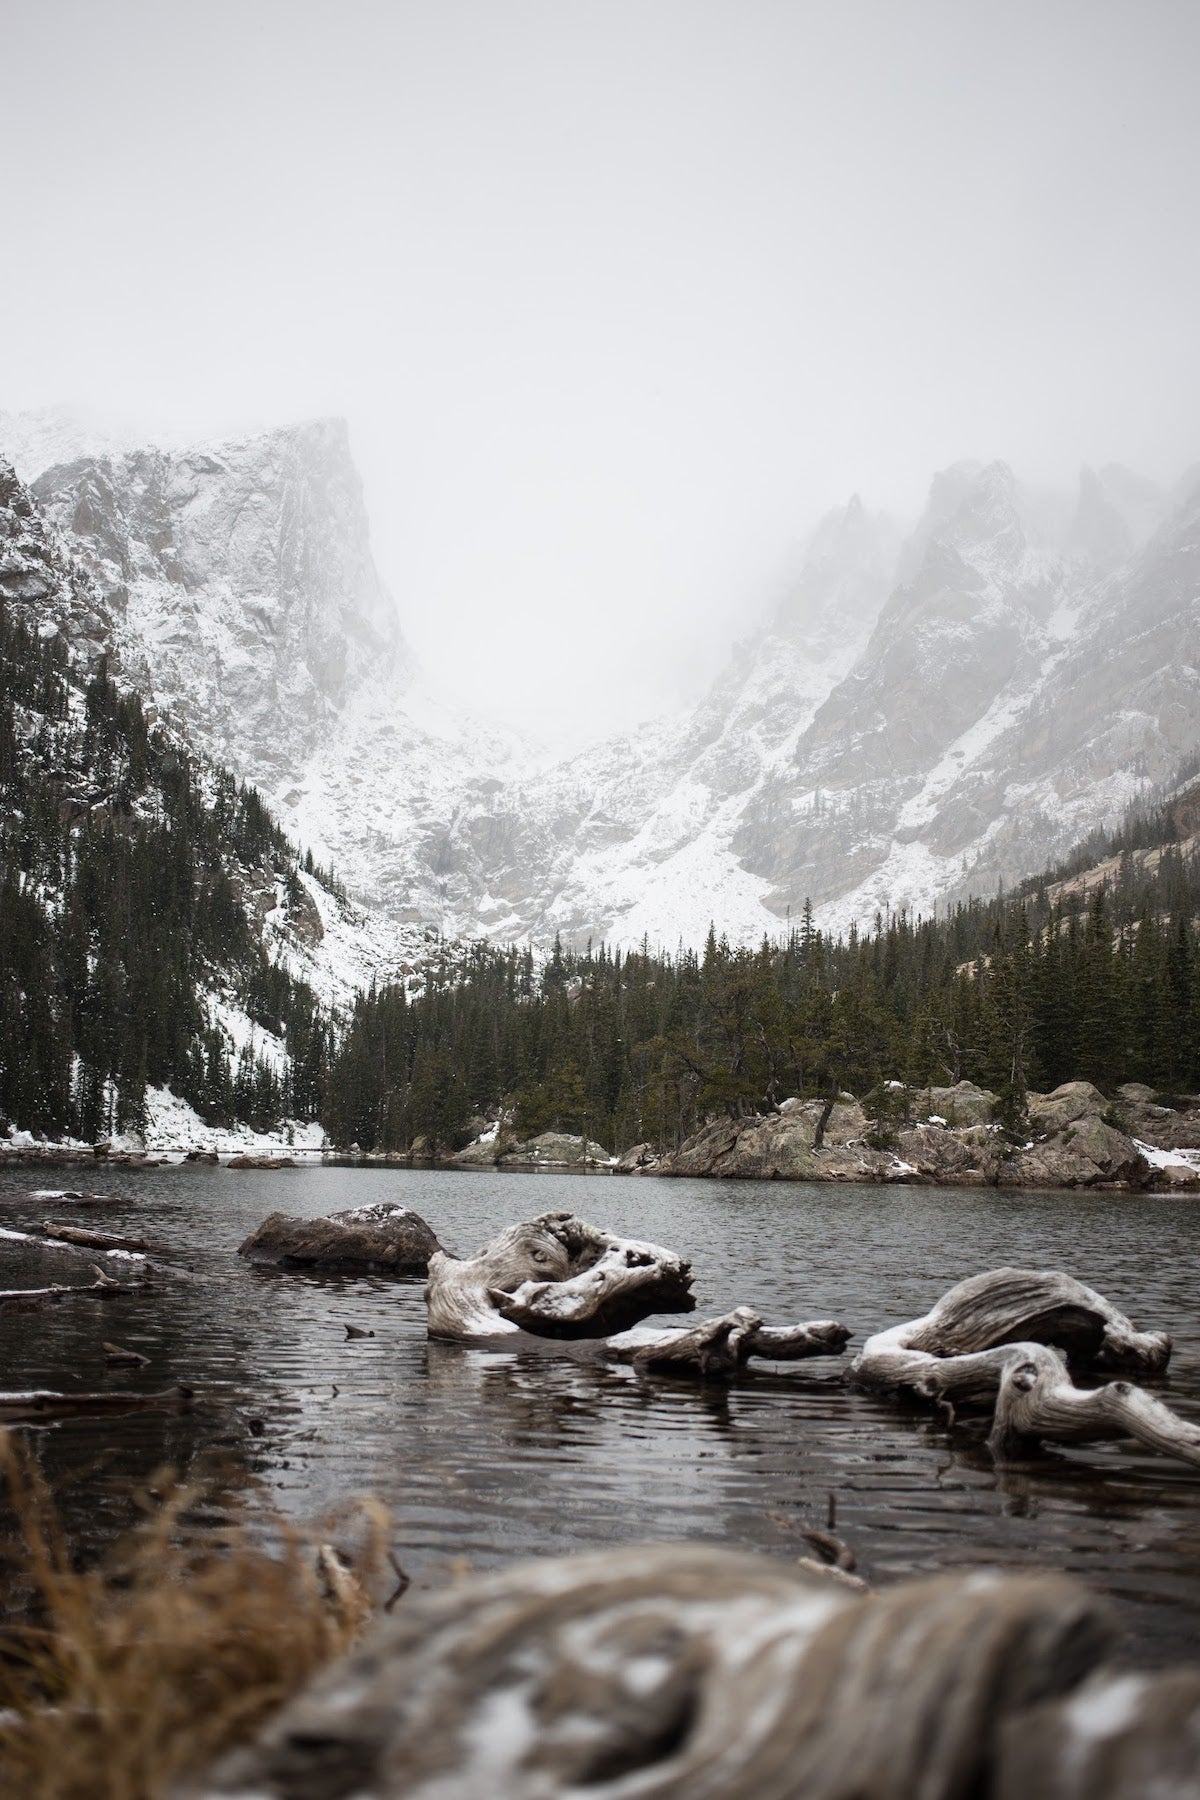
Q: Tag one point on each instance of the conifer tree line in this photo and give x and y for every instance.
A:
(121, 863)
(119, 911)
(1052, 984)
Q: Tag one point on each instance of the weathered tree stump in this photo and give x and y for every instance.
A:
(554, 1276)
(679, 1672)
(1003, 1339)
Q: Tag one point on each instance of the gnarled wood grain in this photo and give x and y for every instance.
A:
(679, 1672)
(1001, 1308)
(1038, 1401)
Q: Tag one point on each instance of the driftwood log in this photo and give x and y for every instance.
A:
(55, 1241)
(554, 1276)
(1006, 1339)
(723, 1346)
(1038, 1400)
(680, 1672)
(44, 1403)
(977, 1322)
(1121, 1736)
(103, 1288)
(82, 1237)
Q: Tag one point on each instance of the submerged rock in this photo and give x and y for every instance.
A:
(384, 1239)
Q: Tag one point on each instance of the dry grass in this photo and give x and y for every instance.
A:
(144, 1668)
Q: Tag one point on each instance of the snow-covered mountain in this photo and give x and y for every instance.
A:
(337, 946)
(925, 713)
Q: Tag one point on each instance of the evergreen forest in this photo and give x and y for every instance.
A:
(123, 870)
(1062, 980)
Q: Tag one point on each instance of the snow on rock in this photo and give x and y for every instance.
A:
(920, 718)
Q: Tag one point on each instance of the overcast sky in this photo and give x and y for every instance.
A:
(617, 295)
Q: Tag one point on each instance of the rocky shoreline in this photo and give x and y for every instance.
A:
(937, 1137)
(1077, 1138)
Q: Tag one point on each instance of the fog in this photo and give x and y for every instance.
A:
(616, 297)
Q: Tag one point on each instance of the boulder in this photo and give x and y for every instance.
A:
(480, 1155)
(937, 1154)
(1073, 1100)
(780, 1147)
(558, 1147)
(638, 1156)
(384, 1239)
(1085, 1153)
(1175, 1175)
(962, 1104)
(257, 1161)
(1146, 1117)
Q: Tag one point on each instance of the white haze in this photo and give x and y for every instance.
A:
(617, 297)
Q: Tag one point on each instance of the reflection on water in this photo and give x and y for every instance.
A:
(486, 1455)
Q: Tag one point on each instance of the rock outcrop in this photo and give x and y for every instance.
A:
(383, 1239)
(956, 1143)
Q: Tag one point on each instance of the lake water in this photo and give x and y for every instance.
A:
(488, 1455)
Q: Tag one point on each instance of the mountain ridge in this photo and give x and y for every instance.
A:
(925, 712)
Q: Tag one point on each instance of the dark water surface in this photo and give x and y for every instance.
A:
(488, 1455)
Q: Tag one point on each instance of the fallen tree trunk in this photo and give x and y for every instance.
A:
(93, 1240)
(1002, 1308)
(722, 1346)
(554, 1276)
(104, 1288)
(55, 1241)
(41, 1403)
(1039, 1402)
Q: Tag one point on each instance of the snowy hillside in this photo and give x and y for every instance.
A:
(924, 714)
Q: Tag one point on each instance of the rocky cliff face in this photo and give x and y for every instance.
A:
(239, 583)
(923, 715)
(92, 603)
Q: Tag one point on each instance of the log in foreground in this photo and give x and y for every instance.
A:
(554, 1276)
(681, 1672)
(723, 1346)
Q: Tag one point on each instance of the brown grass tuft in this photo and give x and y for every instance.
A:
(173, 1649)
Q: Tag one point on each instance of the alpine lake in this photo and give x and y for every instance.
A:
(486, 1455)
